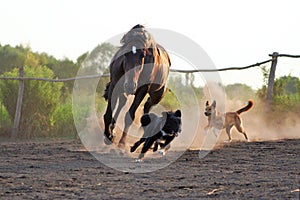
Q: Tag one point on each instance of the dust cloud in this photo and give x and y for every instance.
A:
(259, 124)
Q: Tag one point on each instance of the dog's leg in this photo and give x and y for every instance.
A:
(137, 144)
(216, 132)
(168, 140)
(164, 150)
(206, 130)
(246, 137)
(166, 146)
(148, 143)
(228, 130)
(155, 146)
(240, 128)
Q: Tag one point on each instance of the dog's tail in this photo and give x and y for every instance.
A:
(145, 119)
(247, 107)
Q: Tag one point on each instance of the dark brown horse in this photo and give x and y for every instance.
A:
(139, 67)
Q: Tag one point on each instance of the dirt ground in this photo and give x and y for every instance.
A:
(59, 170)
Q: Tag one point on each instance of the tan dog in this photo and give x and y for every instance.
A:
(227, 120)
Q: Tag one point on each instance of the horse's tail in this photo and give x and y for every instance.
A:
(106, 91)
(247, 107)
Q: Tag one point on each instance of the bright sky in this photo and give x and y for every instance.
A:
(234, 33)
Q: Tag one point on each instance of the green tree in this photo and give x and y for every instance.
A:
(65, 69)
(286, 93)
(240, 91)
(181, 88)
(98, 60)
(63, 120)
(39, 99)
(11, 57)
(287, 85)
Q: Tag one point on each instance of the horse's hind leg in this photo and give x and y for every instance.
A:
(109, 122)
(155, 98)
(130, 115)
(122, 101)
(108, 137)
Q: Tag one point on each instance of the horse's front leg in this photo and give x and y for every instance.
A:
(130, 115)
(155, 98)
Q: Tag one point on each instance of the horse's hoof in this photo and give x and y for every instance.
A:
(112, 126)
(108, 140)
(121, 145)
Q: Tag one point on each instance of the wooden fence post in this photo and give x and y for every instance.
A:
(15, 130)
(271, 80)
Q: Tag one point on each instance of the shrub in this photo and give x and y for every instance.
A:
(286, 96)
(39, 99)
(240, 91)
(63, 122)
(5, 121)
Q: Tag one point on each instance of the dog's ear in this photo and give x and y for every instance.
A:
(214, 104)
(207, 103)
(178, 113)
(145, 120)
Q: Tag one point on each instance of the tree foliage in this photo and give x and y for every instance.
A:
(286, 93)
(181, 87)
(11, 57)
(47, 106)
(40, 98)
(239, 91)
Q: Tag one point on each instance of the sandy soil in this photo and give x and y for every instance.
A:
(59, 170)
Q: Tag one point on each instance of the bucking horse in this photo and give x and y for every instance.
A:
(139, 67)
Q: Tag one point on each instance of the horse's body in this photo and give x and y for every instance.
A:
(139, 67)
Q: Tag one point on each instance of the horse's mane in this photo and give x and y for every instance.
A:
(134, 31)
(138, 35)
(140, 38)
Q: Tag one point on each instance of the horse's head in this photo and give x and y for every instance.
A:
(136, 42)
(133, 65)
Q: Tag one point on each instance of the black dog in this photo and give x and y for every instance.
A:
(159, 131)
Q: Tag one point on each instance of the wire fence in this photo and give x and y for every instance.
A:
(22, 78)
